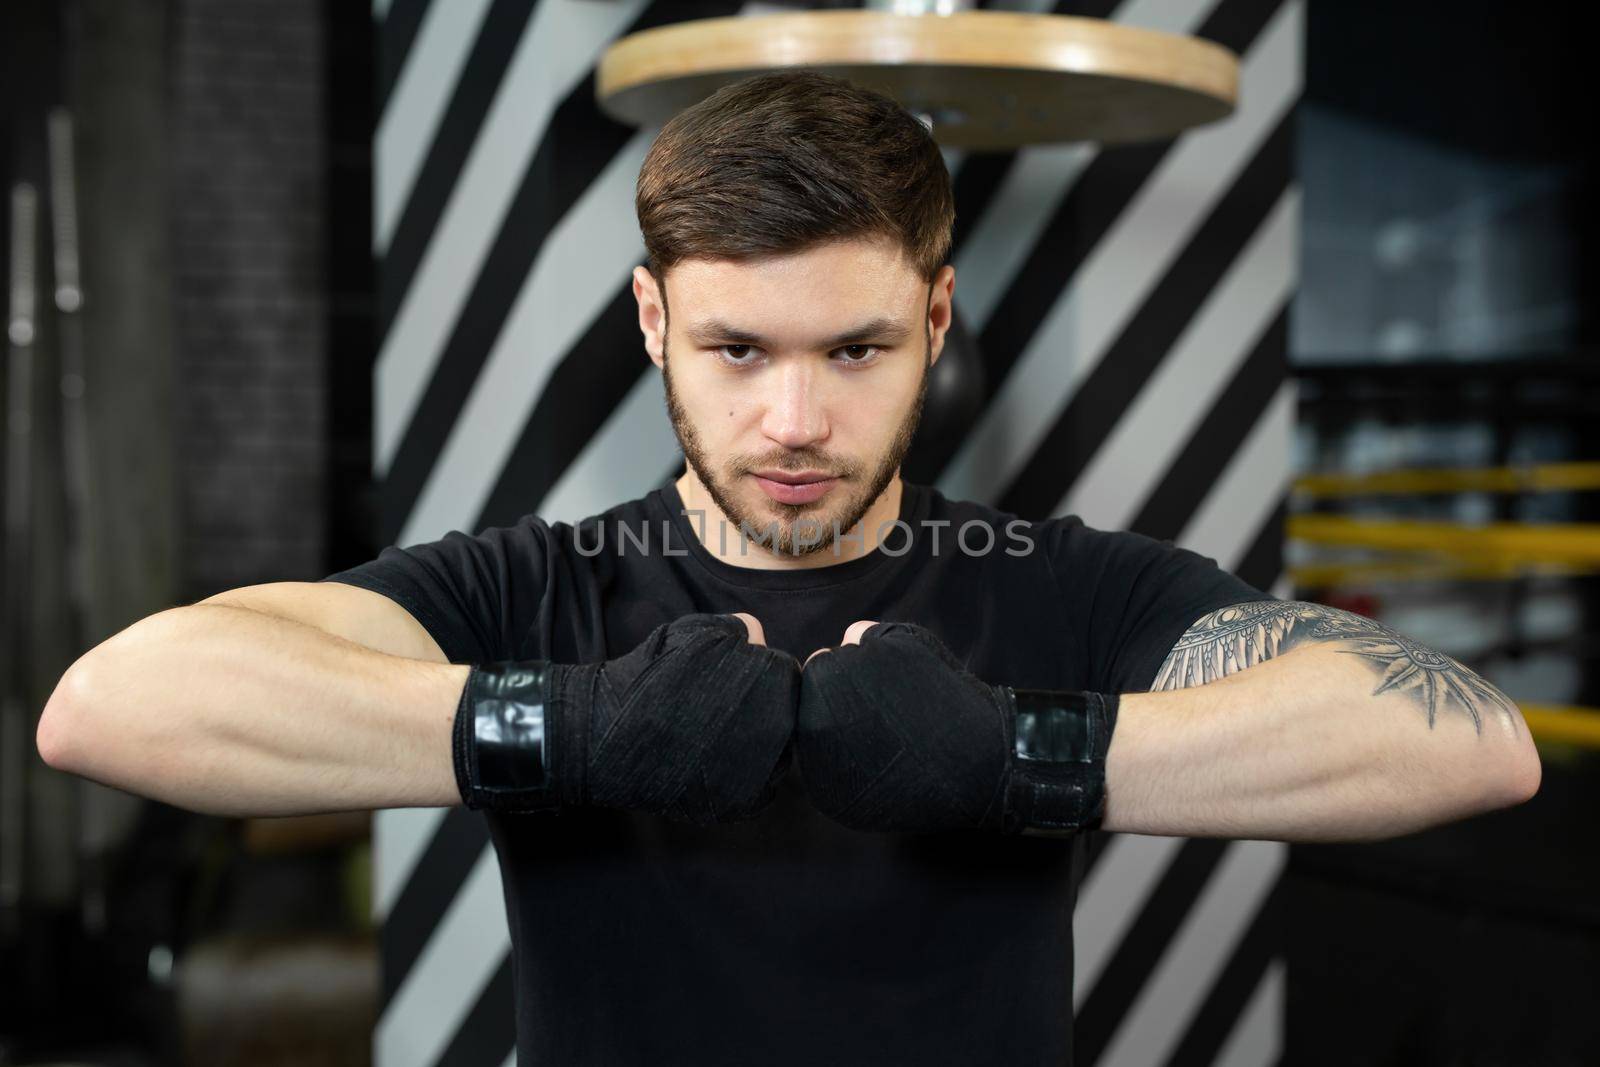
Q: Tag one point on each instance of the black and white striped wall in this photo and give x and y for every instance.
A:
(1130, 305)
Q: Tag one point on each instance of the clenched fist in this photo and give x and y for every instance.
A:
(694, 723)
(894, 734)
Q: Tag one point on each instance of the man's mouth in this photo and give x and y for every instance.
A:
(794, 487)
(793, 477)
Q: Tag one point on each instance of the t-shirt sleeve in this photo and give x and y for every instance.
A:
(475, 594)
(1133, 596)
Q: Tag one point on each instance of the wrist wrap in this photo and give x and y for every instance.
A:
(1057, 773)
(502, 743)
(895, 734)
(693, 723)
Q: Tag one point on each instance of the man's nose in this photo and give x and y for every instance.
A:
(795, 416)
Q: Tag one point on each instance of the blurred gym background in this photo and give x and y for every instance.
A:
(207, 248)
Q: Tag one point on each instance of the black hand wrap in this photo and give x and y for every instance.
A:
(895, 734)
(694, 723)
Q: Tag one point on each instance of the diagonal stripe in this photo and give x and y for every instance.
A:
(397, 29)
(1169, 16)
(1114, 892)
(1025, 226)
(1118, 273)
(1088, 8)
(1121, 887)
(1106, 898)
(1062, 240)
(1228, 1003)
(1258, 1039)
(1145, 344)
(1032, 187)
(433, 884)
(462, 954)
(489, 1028)
(1098, 846)
(593, 379)
(1190, 965)
(1209, 448)
(1024, 189)
(1029, 187)
(578, 147)
(539, 206)
(1262, 563)
(1056, 249)
(975, 181)
(1146, 13)
(1061, 243)
(553, 56)
(401, 835)
(607, 469)
(1102, 1006)
(429, 125)
(1149, 435)
(586, 257)
(1248, 491)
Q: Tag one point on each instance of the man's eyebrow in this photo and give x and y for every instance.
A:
(717, 332)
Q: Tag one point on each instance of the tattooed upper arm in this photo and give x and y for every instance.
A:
(1239, 636)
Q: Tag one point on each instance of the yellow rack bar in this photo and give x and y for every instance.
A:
(1556, 722)
(1494, 543)
(1543, 477)
(1321, 575)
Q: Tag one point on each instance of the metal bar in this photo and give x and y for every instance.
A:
(15, 742)
(75, 487)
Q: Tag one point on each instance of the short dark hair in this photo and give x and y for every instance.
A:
(783, 161)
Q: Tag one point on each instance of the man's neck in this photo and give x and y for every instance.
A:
(736, 550)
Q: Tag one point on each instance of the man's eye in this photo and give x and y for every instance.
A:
(859, 353)
(735, 353)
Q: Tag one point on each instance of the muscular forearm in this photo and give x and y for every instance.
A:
(228, 711)
(1301, 748)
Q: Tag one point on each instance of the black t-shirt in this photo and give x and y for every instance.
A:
(789, 939)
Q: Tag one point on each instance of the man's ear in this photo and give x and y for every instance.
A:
(652, 313)
(940, 296)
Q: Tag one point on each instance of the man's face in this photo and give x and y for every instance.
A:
(805, 368)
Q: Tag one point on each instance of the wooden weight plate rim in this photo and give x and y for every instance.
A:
(998, 40)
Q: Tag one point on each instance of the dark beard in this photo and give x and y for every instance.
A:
(797, 533)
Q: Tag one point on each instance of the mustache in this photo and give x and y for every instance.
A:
(792, 463)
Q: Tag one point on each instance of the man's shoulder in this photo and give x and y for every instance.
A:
(645, 511)
(1068, 539)
(957, 511)
(939, 506)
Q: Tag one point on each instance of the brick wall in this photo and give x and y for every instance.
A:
(248, 217)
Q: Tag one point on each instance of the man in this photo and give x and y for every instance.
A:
(791, 761)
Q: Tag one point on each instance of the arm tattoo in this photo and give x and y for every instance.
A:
(1233, 638)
